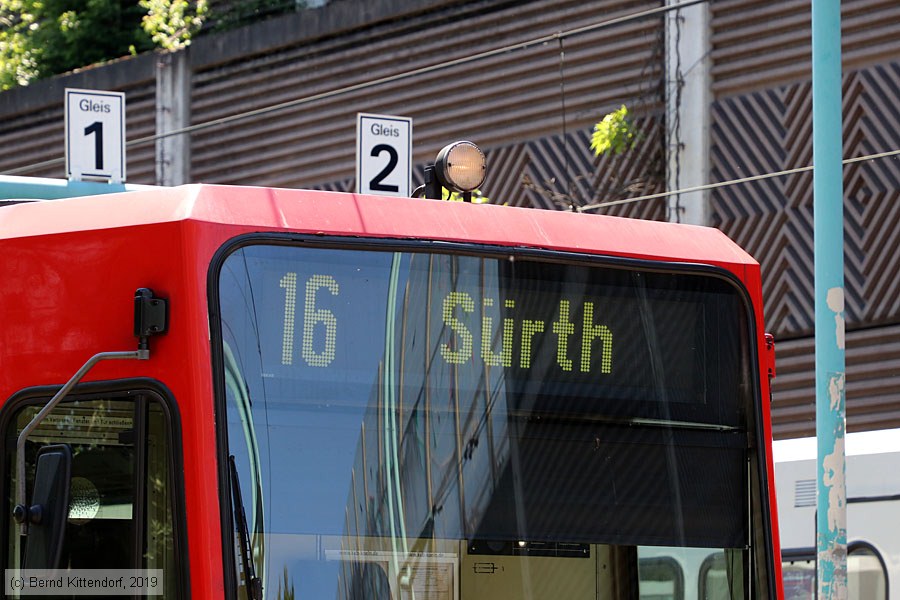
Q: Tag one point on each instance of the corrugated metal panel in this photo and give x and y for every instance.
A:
(141, 123)
(497, 102)
(873, 383)
(759, 44)
(35, 137)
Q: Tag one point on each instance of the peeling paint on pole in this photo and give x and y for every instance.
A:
(832, 524)
(835, 302)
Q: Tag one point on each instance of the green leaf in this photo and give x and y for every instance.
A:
(613, 134)
(477, 197)
(172, 23)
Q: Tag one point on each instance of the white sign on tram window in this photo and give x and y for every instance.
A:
(95, 135)
(383, 154)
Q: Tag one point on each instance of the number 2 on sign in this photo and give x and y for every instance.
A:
(376, 183)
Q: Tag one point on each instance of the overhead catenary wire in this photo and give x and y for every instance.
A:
(265, 110)
(720, 184)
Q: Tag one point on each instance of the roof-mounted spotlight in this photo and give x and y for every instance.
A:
(459, 167)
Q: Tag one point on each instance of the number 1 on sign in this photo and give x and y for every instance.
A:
(96, 128)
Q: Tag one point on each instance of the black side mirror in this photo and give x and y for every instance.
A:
(50, 508)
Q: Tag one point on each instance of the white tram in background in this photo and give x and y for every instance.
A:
(873, 515)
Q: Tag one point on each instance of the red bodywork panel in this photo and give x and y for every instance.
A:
(70, 269)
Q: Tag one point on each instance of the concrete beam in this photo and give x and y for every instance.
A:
(688, 101)
(173, 113)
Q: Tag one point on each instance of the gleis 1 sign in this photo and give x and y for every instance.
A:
(95, 135)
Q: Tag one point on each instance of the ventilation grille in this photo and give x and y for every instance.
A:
(804, 493)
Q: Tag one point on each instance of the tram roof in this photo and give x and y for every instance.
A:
(270, 209)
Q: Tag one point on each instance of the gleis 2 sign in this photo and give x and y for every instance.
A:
(383, 154)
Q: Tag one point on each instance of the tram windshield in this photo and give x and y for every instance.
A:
(410, 424)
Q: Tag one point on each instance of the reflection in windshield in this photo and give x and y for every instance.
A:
(444, 426)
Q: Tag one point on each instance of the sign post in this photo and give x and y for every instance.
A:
(95, 135)
(383, 155)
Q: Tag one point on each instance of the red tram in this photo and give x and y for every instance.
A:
(333, 395)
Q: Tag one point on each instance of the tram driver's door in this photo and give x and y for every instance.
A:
(120, 513)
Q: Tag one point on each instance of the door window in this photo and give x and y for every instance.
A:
(121, 495)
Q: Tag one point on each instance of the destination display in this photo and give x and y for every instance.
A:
(538, 330)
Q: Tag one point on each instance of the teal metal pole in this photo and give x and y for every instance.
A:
(39, 188)
(828, 204)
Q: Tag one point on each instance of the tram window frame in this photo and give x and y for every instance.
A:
(706, 567)
(761, 576)
(142, 393)
(859, 547)
(659, 564)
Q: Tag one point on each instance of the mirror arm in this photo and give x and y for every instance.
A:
(151, 317)
(21, 510)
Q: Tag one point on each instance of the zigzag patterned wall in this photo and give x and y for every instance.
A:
(561, 173)
(769, 131)
(772, 131)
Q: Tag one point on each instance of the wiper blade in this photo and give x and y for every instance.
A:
(254, 585)
(682, 424)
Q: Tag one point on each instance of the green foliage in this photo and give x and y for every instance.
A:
(18, 64)
(477, 197)
(172, 23)
(613, 134)
(40, 38)
(85, 32)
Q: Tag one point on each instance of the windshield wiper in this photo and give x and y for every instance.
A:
(254, 585)
(669, 423)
